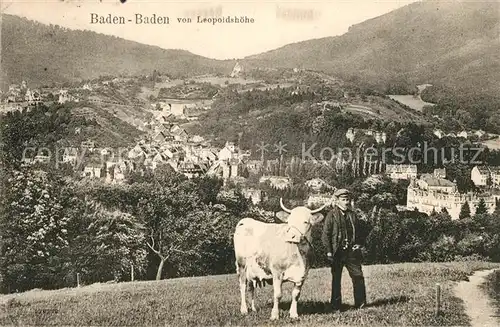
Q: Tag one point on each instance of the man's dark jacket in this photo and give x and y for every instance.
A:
(332, 233)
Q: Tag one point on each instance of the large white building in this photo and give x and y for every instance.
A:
(401, 171)
(430, 193)
(481, 174)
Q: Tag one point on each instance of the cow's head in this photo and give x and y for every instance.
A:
(300, 220)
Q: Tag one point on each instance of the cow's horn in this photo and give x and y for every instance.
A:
(283, 206)
(319, 209)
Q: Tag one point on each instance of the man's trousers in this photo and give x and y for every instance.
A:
(352, 261)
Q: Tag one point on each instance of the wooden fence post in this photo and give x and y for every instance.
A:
(77, 279)
(438, 299)
(132, 273)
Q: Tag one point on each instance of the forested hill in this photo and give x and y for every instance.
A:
(42, 54)
(455, 43)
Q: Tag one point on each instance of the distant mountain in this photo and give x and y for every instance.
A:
(41, 54)
(443, 42)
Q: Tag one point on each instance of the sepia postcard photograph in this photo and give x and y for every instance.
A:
(250, 163)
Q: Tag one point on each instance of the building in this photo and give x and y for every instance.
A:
(228, 152)
(89, 145)
(316, 184)
(87, 87)
(440, 172)
(350, 134)
(319, 199)
(254, 166)
(379, 136)
(116, 170)
(64, 97)
(430, 193)
(196, 139)
(41, 158)
(483, 175)
(479, 133)
(70, 155)
(139, 151)
(401, 171)
(162, 137)
(255, 195)
(93, 170)
(32, 97)
(237, 70)
(434, 183)
(279, 182)
(439, 133)
(190, 169)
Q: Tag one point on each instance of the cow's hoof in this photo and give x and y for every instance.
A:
(244, 310)
(294, 316)
(254, 309)
(275, 315)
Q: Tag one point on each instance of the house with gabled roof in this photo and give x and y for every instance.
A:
(190, 169)
(162, 137)
(179, 134)
(137, 151)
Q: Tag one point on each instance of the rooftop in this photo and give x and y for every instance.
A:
(439, 182)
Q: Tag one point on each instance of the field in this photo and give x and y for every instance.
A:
(411, 101)
(399, 294)
(383, 108)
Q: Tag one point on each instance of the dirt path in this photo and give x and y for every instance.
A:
(476, 301)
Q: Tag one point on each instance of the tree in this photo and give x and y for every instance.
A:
(33, 230)
(464, 211)
(117, 244)
(180, 226)
(481, 207)
(208, 187)
(497, 206)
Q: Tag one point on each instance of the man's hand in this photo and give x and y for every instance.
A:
(356, 247)
(329, 256)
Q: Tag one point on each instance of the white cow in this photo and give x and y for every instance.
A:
(275, 253)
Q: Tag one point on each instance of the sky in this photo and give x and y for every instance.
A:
(276, 23)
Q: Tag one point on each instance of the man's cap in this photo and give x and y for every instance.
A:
(341, 192)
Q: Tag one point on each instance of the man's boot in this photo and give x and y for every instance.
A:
(359, 288)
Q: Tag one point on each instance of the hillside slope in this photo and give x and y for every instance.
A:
(41, 54)
(452, 42)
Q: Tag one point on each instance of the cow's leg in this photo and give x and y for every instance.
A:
(251, 287)
(243, 285)
(275, 313)
(295, 298)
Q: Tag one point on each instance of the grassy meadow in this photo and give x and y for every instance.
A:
(410, 101)
(398, 294)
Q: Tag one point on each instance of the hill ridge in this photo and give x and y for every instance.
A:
(67, 55)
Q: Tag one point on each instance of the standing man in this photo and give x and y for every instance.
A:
(343, 244)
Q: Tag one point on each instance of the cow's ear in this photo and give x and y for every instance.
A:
(282, 216)
(317, 217)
